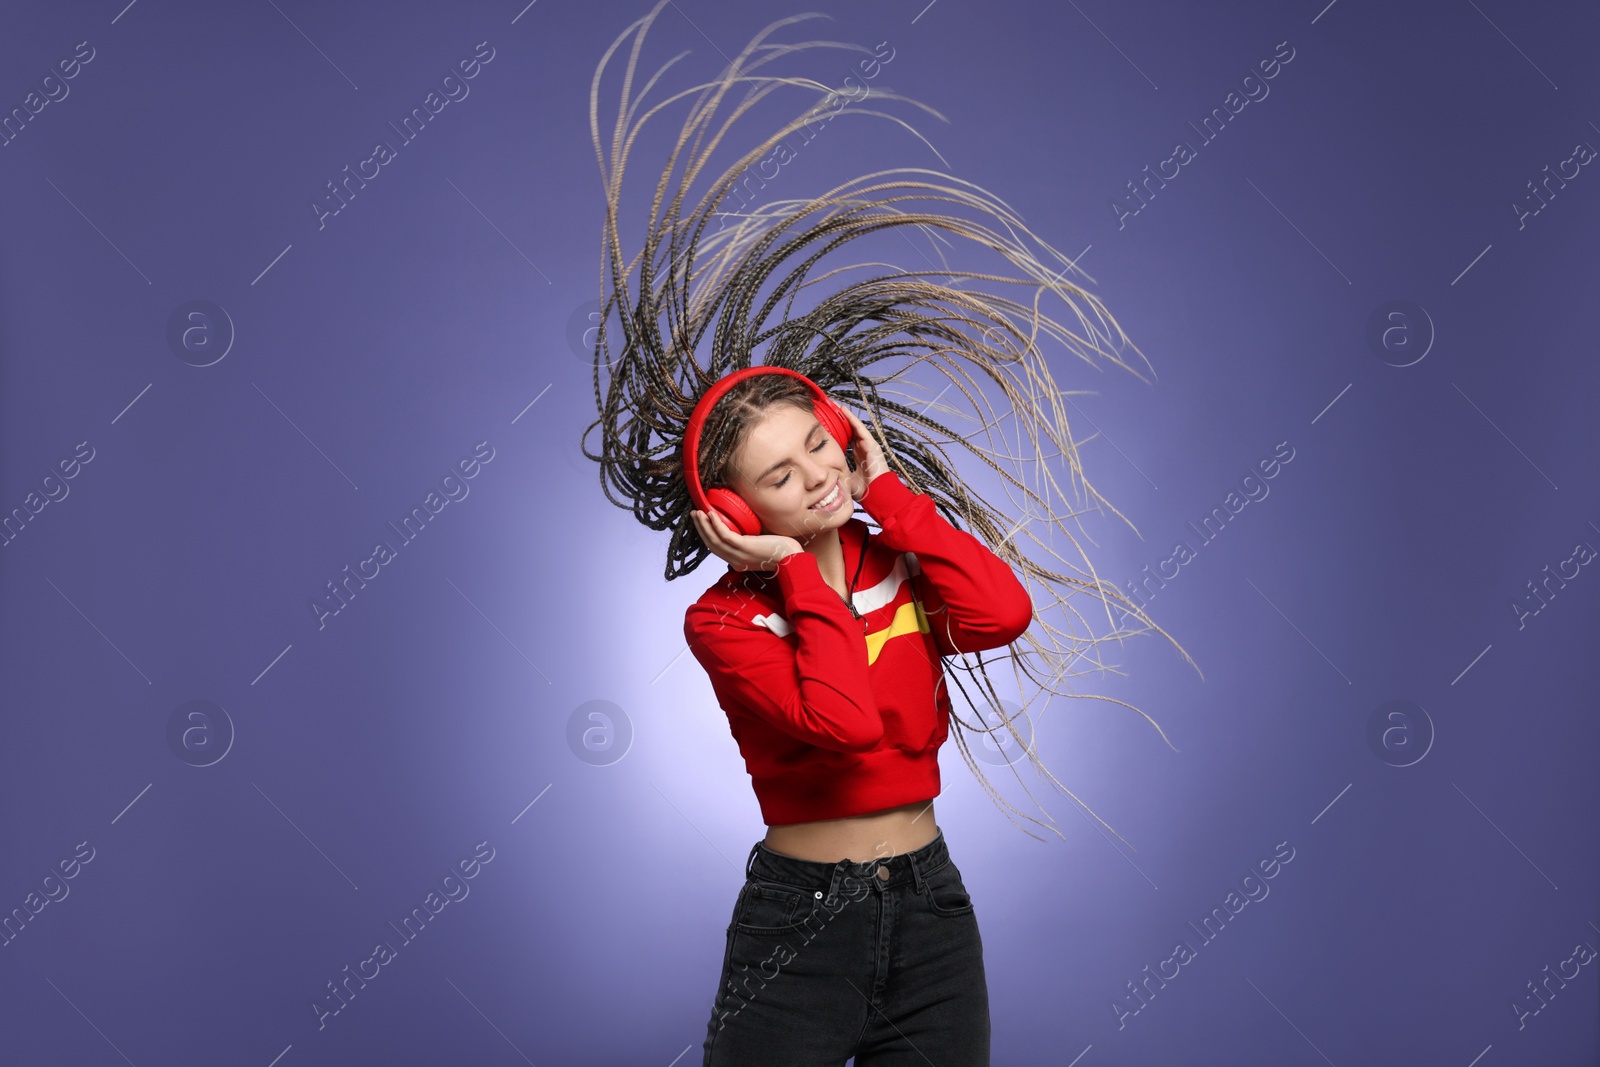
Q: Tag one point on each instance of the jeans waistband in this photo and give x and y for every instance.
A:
(764, 864)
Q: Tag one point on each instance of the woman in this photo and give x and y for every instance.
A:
(853, 933)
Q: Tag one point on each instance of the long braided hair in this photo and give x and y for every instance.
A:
(727, 284)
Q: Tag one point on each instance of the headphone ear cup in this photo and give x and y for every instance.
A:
(834, 420)
(733, 507)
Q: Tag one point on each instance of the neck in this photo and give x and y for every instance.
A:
(829, 550)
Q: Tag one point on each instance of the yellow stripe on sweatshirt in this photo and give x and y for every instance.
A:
(909, 619)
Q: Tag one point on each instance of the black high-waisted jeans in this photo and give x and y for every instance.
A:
(879, 960)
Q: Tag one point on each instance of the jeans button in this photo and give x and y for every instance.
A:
(883, 874)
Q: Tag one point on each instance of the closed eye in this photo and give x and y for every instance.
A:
(779, 484)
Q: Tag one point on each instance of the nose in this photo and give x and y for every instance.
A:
(817, 474)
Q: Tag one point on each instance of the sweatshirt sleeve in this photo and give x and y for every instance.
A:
(817, 690)
(971, 597)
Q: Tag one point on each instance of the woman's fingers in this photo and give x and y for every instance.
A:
(702, 525)
(712, 527)
(719, 529)
(870, 460)
(717, 537)
(863, 437)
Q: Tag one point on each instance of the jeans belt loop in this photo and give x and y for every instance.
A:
(834, 880)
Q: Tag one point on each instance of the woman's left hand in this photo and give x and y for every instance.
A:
(869, 457)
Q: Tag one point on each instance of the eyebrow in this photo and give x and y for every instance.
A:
(762, 476)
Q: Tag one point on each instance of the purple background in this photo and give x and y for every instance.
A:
(364, 759)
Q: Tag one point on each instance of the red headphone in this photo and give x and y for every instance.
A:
(725, 502)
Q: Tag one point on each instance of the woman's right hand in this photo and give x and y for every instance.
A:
(743, 552)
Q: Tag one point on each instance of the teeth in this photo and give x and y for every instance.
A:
(827, 500)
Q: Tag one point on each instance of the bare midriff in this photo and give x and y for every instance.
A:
(875, 835)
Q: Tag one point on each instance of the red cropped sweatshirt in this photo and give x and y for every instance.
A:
(839, 716)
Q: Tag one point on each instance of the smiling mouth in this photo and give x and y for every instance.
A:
(830, 499)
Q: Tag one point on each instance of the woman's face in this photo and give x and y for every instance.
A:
(788, 464)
